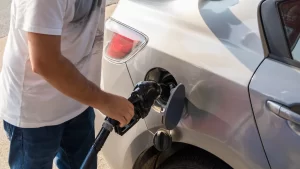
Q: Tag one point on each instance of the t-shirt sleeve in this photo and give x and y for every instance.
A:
(41, 16)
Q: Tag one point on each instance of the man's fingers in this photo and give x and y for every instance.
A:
(128, 117)
(122, 124)
(122, 121)
(131, 110)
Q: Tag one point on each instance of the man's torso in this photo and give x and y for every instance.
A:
(26, 99)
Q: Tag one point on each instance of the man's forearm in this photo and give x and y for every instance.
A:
(64, 76)
(46, 60)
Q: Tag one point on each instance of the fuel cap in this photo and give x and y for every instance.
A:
(174, 108)
(162, 140)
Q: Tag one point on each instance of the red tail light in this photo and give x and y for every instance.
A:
(122, 42)
(120, 46)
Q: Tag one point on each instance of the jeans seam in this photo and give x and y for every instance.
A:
(22, 144)
(62, 140)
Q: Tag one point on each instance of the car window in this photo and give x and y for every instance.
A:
(290, 16)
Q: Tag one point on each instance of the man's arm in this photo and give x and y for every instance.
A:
(46, 60)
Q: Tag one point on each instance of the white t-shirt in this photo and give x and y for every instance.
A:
(26, 99)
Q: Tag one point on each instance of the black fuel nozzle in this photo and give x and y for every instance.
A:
(143, 97)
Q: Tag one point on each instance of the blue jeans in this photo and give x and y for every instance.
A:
(67, 143)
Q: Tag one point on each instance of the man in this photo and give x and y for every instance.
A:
(47, 90)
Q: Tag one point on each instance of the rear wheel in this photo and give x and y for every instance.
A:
(193, 160)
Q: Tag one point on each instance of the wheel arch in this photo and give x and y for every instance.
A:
(216, 148)
(151, 158)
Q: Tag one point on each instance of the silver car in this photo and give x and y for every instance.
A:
(239, 61)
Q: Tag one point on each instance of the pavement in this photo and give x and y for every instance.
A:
(4, 17)
(4, 26)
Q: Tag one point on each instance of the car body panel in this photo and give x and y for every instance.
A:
(213, 48)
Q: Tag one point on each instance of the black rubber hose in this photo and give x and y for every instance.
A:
(89, 159)
(98, 144)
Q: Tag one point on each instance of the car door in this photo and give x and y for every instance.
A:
(275, 87)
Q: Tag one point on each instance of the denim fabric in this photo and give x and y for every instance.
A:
(67, 144)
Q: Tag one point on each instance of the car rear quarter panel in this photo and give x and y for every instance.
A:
(213, 48)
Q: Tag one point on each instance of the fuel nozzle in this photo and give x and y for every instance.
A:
(144, 95)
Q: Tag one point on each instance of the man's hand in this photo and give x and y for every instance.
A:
(118, 108)
(46, 60)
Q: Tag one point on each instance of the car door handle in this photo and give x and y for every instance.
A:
(284, 112)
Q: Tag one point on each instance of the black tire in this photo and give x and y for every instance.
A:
(192, 160)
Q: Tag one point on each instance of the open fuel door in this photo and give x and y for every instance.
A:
(275, 87)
